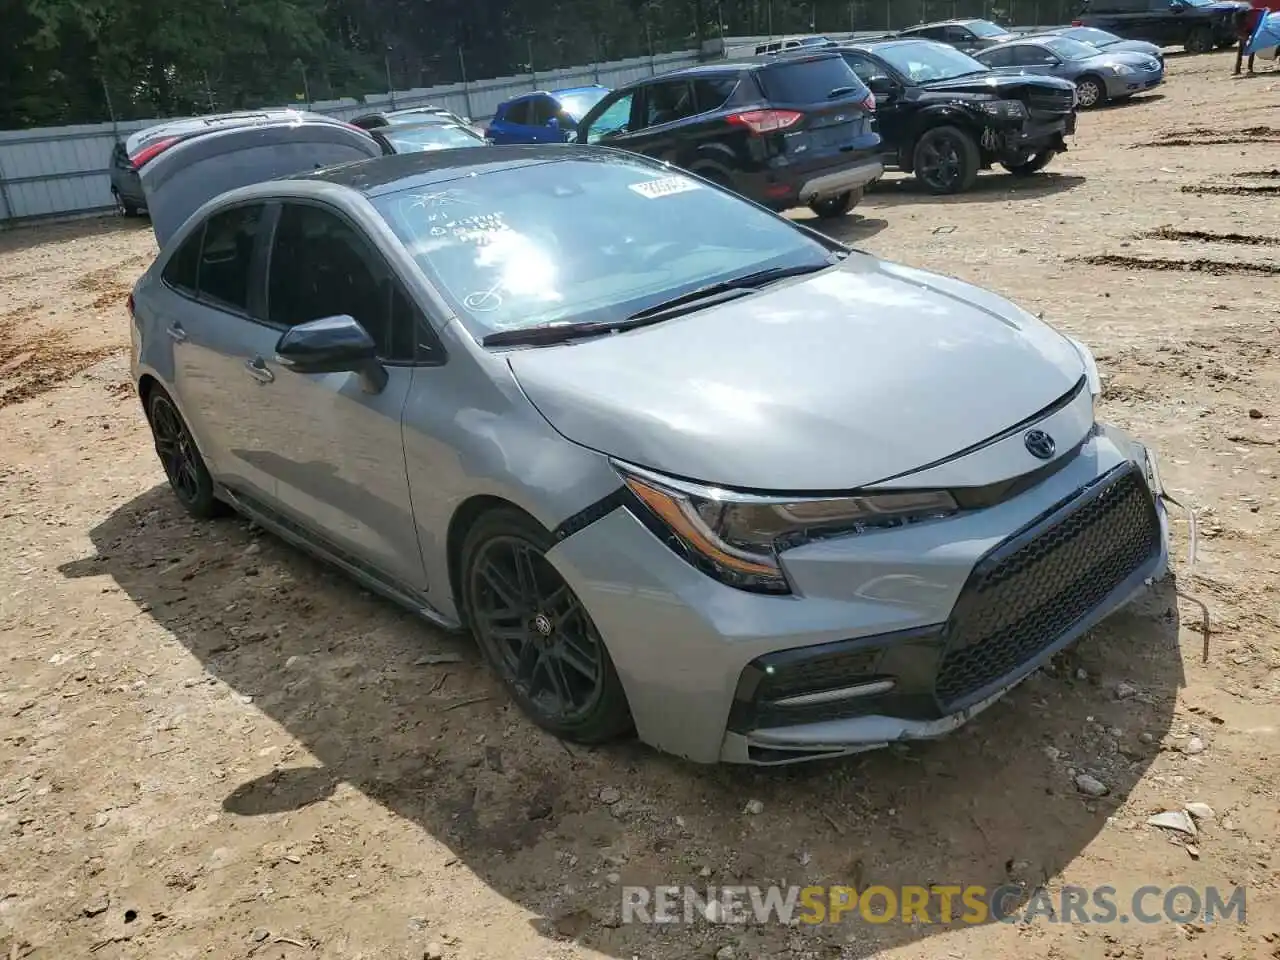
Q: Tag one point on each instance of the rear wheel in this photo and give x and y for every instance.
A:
(188, 476)
(831, 207)
(535, 632)
(946, 160)
(123, 206)
(1029, 163)
(1090, 92)
(1199, 40)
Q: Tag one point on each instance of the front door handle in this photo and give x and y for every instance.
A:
(259, 370)
(176, 333)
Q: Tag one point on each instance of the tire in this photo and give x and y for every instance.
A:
(946, 160)
(123, 207)
(535, 633)
(1200, 40)
(1091, 93)
(1037, 163)
(837, 206)
(185, 468)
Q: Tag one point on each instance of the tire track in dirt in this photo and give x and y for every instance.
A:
(1233, 190)
(1205, 137)
(32, 365)
(1217, 268)
(1205, 236)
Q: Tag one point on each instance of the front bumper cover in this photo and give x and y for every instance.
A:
(683, 642)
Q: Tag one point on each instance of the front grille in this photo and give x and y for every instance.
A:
(1051, 101)
(1034, 588)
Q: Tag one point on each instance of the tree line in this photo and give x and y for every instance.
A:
(88, 61)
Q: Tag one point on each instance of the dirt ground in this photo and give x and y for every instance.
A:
(213, 746)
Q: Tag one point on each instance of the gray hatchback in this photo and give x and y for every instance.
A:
(679, 464)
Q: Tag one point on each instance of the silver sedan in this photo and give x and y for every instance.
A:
(1099, 75)
(680, 465)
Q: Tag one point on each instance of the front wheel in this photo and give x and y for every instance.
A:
(1029, 163)
(535, 632)
(1199, 40)
(1090, 93)
(946, 160)
(829, 208)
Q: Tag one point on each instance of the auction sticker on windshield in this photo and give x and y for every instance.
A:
(664, 187)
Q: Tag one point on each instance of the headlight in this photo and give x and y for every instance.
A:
(737, 537)
(1090, 367)
(1120, 69)
(1013, 109)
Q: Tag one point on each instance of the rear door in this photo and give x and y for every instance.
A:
(680, 121)
(509, 126)
(213, 314)
(823, 111)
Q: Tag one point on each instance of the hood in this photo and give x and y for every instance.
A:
(995, 84)
(1134, 46)
(1132, 58)
(844, 378)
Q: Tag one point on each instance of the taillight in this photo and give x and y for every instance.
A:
(152, 151)
(1077, 23)
(869, 104)
(766, 121)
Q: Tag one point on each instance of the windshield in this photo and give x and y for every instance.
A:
(1097, 38)
(577, 104)
(986, 29)
(581, 239)
(1069, 49)
(923, 61)
(437, 136)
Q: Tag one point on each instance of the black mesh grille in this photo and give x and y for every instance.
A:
(1018, 603)
(1051, 101)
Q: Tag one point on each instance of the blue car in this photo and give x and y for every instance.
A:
(544, 116)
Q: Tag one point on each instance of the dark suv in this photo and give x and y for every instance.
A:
(944, 116)
(1198, 25)
(785, 131)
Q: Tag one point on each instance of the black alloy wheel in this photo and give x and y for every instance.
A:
(536, 634)
(946, 160)
(183, 465)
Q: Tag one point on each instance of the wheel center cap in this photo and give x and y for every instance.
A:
(542, 623)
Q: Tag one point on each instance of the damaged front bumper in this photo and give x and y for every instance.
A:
(1014, 144)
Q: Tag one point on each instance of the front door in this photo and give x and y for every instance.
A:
(338, 452)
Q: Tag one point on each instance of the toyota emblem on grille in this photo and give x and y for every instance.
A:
(1039, 444)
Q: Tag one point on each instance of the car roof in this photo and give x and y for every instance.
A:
(219, 121)
(586, 88)
(879, 44)
(409, 170)
(425, 124)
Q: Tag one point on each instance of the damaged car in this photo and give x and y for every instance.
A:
(683, 467)
(944, 116)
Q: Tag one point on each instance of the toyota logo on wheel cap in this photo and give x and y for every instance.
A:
(1039, 444)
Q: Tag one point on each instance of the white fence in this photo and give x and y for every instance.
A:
(63, 171)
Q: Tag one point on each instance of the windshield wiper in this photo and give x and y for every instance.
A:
(698, 299)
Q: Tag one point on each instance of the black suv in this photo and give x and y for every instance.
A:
(1198, 25)
(782, 131)
(944, 116)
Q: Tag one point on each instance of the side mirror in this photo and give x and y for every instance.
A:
(335, 344)
(881, 86)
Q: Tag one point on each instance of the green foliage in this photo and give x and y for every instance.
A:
(85, 61)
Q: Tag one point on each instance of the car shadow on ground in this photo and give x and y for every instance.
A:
(1138, 99)
(27, 235)
(848, 229)
(344, 673)
(991, 185)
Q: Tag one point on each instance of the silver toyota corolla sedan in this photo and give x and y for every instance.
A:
(681, 465)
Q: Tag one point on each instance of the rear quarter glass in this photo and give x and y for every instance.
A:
(810, 81)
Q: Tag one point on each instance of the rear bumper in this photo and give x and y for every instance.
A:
(840, 181)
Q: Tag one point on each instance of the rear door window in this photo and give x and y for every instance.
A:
(808, 81)
(541, 110)
(667, 102)
(226, 257)
(712, 93)
(517, 112)
(999, 56)
(182, 270)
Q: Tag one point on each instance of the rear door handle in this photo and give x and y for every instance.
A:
(259, 370)
(176, 333)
